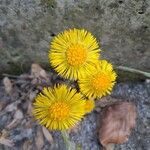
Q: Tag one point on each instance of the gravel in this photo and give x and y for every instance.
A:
(24, 133)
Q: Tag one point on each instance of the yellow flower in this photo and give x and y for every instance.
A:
(89, 106)
(100, 82)
(59, 107)
(73, 53)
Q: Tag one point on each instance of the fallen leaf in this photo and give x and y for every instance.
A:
(47, 135)
(6, 142)
(8, 85)
(5, 133)
(16, 120)
(38, 72)
(11, 107)
(39, 139)
(43, 74)
(27, 145)
(117, 122)
(34, 81)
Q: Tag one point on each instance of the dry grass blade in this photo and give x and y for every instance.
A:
(2, 105)
(47, 135)
(39, 139)
(8, 85)
(27, 145)
(30, 108)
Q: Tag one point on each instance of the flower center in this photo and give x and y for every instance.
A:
(76, 54)
(59, 111)
(100, 81)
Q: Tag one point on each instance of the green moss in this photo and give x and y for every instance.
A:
(18, 69)
(49, 3)
(124, 76)
(12, 70)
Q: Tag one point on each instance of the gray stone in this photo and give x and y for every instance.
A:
(27, 26)
(86, 134)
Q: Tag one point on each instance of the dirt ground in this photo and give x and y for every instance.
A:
(19, 130)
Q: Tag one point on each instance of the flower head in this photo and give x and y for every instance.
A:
(73, 53)
(100, 82)
(59, 107)
(89, 106)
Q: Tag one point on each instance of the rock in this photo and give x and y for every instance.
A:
(27, 27)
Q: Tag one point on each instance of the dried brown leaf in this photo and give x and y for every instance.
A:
(39, 140)
(11, 107)
(17, 119)
(27, 145)
(6, 142)
(5, 133)
(38, 72)
(47, 135)
(43, 74)
(117, 122)
(8, 85)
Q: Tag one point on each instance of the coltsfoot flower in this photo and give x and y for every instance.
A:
(73, 53)
(100, 82)
(89, 106)
(59, 107)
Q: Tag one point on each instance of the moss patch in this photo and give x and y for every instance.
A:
(49, 3)
(124, 76)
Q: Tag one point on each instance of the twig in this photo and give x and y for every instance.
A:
(17, 76)
(9, 75)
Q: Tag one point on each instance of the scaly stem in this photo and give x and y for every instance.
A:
(65, 137)
(70, 145)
